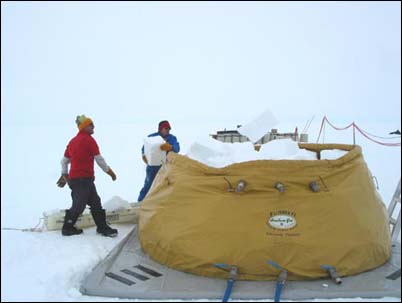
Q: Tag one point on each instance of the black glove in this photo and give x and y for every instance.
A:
(144, 158)
(111, 173)
(63, 180)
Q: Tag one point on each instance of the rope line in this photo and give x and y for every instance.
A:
(379, 137)
(364, 133)
(37, 228)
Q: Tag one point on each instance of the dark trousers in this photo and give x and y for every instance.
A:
(151, 174)
(83, 192)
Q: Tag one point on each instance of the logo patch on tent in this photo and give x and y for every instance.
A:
(282, 220)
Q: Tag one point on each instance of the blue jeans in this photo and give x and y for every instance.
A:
(151, 173)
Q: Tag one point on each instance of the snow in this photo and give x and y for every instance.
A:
(332, 154)
(279, 149)
(129, 66)
(116, 203)
(218, 154)
(48, 267)
(51, 212)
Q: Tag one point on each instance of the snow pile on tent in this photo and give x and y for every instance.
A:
(302, 215)
(332, 154)
(214, 153)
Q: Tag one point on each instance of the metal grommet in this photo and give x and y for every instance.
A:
(314, 186)
(280, 187)
(240, 186)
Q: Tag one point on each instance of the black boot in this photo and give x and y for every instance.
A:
(100, 221)
(68, 227)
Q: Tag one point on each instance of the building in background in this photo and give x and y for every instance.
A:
(232, 136)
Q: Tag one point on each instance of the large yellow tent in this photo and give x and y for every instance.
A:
(193, 217)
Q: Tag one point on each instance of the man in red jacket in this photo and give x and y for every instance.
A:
(81, 152)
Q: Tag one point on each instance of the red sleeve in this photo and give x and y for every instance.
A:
(94, 147)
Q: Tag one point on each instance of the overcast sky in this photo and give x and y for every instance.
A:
(195, 61)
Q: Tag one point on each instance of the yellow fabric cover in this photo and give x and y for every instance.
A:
(190, 221)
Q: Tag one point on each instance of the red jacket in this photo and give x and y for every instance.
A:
(81, 151)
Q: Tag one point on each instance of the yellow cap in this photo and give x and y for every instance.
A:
(83, 121)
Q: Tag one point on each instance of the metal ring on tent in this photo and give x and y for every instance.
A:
(314, 186)
(240, 186)
(280, 187)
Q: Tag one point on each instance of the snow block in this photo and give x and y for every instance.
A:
(154, 154)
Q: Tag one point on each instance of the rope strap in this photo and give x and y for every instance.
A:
(364, 133)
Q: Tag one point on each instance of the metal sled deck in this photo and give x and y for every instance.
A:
(127, 272)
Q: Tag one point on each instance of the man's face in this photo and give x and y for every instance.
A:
(165, 131)
(89, 129)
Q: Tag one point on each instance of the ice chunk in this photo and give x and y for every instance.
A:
(259, 127)
(152, 151)
(205, 148)
(280, 149)
(209, 152)
(304, 154)
(241, 152)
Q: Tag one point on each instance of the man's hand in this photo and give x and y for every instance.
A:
(111, 173)
(166, 147)
(63, 180)
(144, 158)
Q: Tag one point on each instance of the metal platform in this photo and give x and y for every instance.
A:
(129, 273)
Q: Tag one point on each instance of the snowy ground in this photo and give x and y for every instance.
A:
(48, 267)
